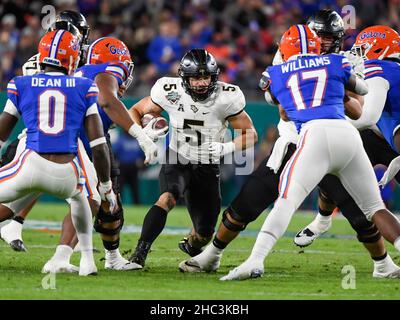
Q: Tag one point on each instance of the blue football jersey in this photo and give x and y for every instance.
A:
(120, 71)
(310, 87)
(389, 121)
(53, 107)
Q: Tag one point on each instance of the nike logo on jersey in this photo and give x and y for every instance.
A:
(206, 112)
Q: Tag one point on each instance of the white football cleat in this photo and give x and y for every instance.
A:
(87, 269)
(55, 266)
(248, 269)
(12, 234)
(388, 269)
(307, 235)
(114, 261)
(203, 262)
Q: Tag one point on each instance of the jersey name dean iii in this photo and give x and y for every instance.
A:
(195, 124)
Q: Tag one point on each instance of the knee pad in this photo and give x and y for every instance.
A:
(368, 233)
(106, 217)
(324, 197)
(230, 225)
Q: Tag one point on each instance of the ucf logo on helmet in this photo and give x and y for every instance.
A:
(368, 35)
(115, 50)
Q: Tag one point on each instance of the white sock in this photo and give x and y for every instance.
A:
(13, 228)
(213, 250)
(82, 220)
(114, 252)
(397, 244)
(262, 247)
(273, 228)
(323, 219)
(63, 253)
(320, 223)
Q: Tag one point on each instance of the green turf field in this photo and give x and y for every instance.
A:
(290, 274)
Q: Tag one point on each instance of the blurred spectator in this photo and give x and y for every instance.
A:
(242, 34)
(165, 49)
(131, 161)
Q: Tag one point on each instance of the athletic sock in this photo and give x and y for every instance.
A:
(63, 253)
(153, 224)
(19, 219)
(111, 245)
(219, 244)
(264, 243)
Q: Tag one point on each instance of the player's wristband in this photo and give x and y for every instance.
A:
(228, 147)
(105, 186)
(1, 144)
(136, 131)
(97, 141)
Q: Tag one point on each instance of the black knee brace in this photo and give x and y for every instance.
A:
(230, 225)
(106, 217)
(324, 197)
(368, 233)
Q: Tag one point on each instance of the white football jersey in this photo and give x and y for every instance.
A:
(32, 66)
(195, 124)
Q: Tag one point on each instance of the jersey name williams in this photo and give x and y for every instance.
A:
(304, 64)
(49, 82)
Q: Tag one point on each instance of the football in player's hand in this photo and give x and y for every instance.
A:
(159, 123)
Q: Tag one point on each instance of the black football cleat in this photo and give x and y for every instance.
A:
(141, 252)
(18, 245)
(187, 248)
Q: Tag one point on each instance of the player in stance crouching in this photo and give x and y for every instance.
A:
(53, 106)
(328, 143)
(200, 108)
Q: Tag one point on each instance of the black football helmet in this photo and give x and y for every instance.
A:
(75, 23)
(76, 19)
(198, 63)
(327, 22)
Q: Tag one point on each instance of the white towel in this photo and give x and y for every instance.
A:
(278, 153)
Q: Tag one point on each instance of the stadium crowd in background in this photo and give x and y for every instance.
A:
(241, 34)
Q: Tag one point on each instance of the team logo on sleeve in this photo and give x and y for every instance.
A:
(173, 97)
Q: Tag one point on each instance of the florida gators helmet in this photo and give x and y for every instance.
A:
(110, 49)
(61, 49)
(299, 40)
(377, 42)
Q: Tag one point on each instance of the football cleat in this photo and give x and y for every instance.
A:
(87, 269)
(207, 261)
(187, 248)
(18, 245)
(55, 266)
(304, 238)
(141, 251)
(311, 232)
(192, 265)
(11, 234)
(388, 269)
(247, 270)
(114, 261)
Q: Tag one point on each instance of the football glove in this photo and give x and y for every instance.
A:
(155, 134)
(107, 194)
